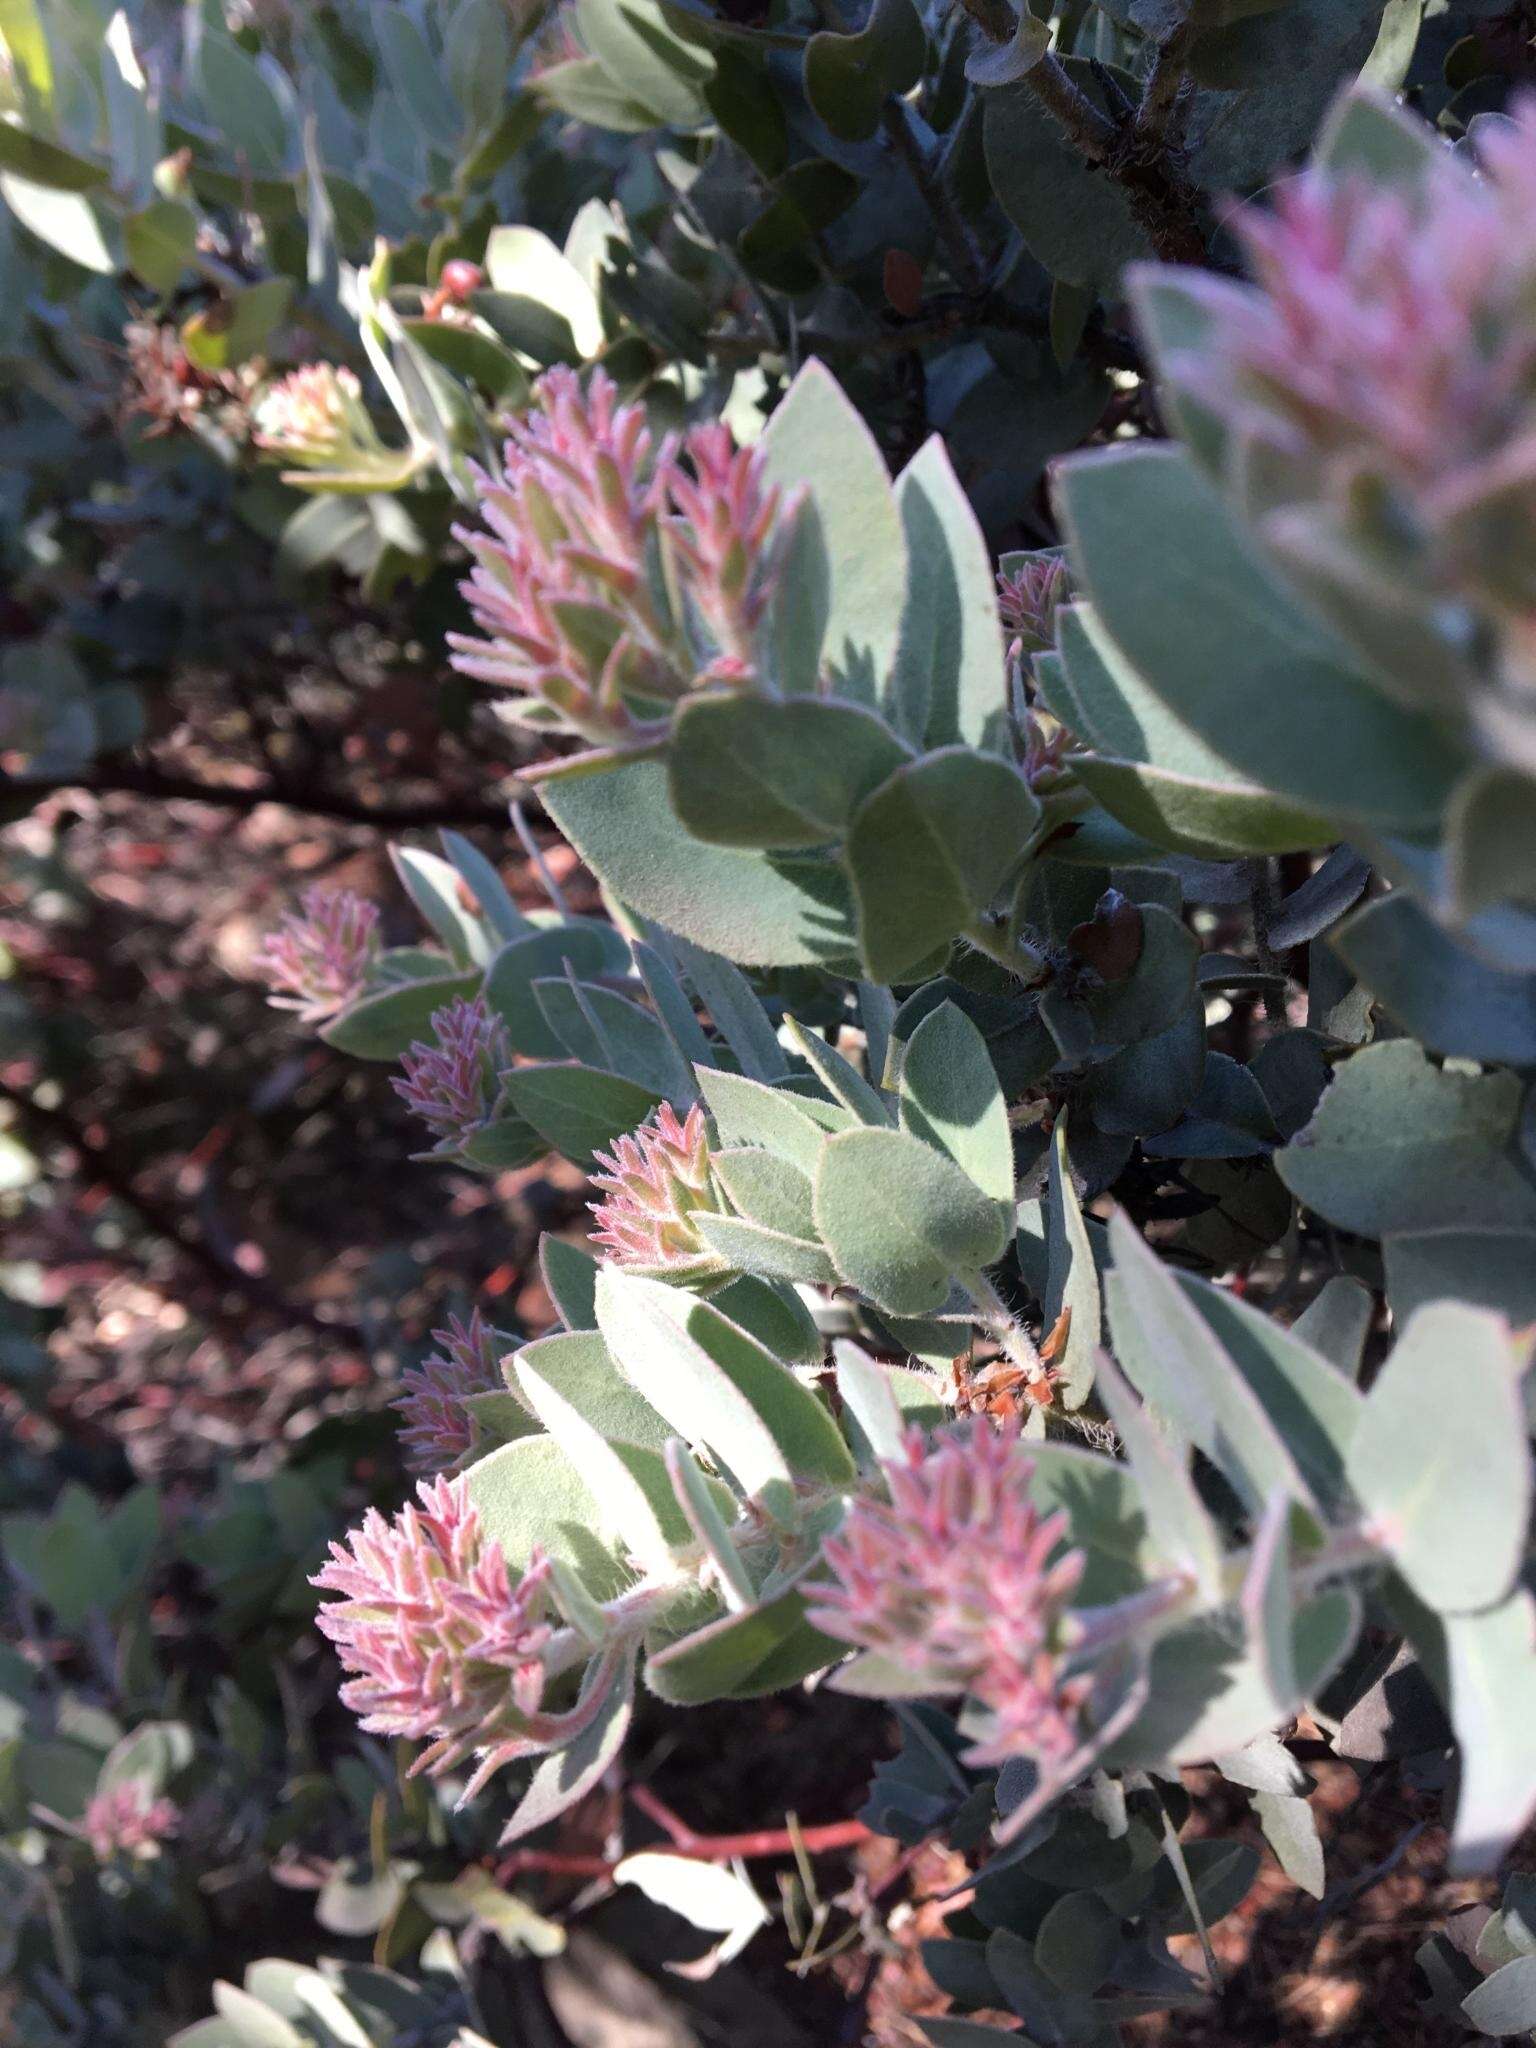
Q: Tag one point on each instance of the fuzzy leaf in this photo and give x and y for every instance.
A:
(717, 1385)
(765, 910)
(1446, 1485)
(949, 683)
(755, 772)
(930, 849)
(950, 1098)
(848, 587)
(1399, 1144)
(578, 1110)
(1193, 608)
(901, 1220)
(1165, 1345)
(384, 1025)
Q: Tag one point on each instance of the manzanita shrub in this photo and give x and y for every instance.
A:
(1052, 1061)
(905, 1355)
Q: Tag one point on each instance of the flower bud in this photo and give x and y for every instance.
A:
(1029, 596)
(453, 1084)
(727, 532)
(128, 1820)
(658, 1179)
(958, 1579)
(443, 1643)
(314, 418)
(436, 1429)
(1379, 380)
(571, 590)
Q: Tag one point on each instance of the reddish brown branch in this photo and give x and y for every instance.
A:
(754, 1843)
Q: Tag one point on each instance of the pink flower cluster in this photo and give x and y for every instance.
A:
(452, 1084)
(315, 417)
(436, 1430)
(960, 1580)
(722, 527)
(444, 1644)
(566, 588)
(1390, 343)
(1029, 597)
(318, 959)
(128, 1819)
(657, 1180)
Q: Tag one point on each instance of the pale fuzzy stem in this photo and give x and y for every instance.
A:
(1008, 950)
(993, 1316)
(541, 866)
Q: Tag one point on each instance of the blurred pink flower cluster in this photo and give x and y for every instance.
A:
(958, 1579)
(657, 1180)
(319, 957)
(1029, 597)
(129, 1819)
(569, 585)
(436, 1430)
(1390, 348)
(315, 417)
(444, 1644)
(452, 1084)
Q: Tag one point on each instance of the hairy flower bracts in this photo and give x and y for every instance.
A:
(726, 529)
(444, 1644)
(561, 584)
(453, 1084)
(1380, 379)
(129, 1820)
(959, 1580)
(584, 534)
(1031, 589)
(656, 1181)
(436, 1430)
(1029, 595)
(314, 418)
(318, 958)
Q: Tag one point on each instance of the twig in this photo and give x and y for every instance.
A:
(837, 1834)
(156, 785)
(755, 1843)
(163, 1221)
(1264, 898)
(1165, 82)
(1167, 206)
(959, 244)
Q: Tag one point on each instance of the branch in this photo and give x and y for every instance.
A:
(118, 1178)
(755, 1843)
(155, 785)
(1134, 153)
(959, 244)
(1160, 97)
(946, 316)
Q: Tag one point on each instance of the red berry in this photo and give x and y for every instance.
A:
(459, 278)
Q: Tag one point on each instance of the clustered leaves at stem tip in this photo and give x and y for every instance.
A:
(1381, 376)
(453, 1084)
